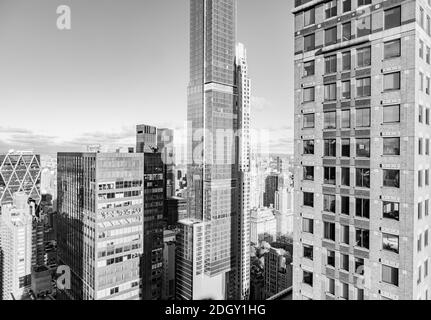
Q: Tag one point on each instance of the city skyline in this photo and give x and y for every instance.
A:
(82, 72)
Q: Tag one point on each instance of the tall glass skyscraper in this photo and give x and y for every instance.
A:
(213, 154)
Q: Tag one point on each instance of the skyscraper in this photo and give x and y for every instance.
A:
(19, 171)
(165, 143)
(146, 138)
(214, 120)
(16, 248)
(362, 115)
(271, 187)
(101, 223)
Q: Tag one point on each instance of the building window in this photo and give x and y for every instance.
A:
(421, 81)
(420, 144)
(391, 146)
(308, 120)
(347, 5)
(330, 148)
(391, 114)
(345, 234)
(390, 242)
(391, 178)
(363, 208)
(309, 17)
(329, 175)
(345, 90)
(345, 205)
(392, 81)
(359, 266)
(331, 64)
(330, 9)
(331, 258)
(363, 177)
(345, 291)
(307, 278)
(329, 231)
(363, 117)
(428, 55)
(345, 148)
(330, 36)
(421, 49)
(346, 58)
(391, 210)
(363, 148)
(308, 199)
(347, 31)
(308, 252)
(392, 49)
(363, 87)
(363, 26)
(330, 92)
(331, 286)
(420, 178)
(309, 173)
(330, 120)
(308, 146)
(363, 238)
(421, 114)
(390, 275)
(427, 147)
(392, 18)
(363, 57)
(419, 210)
(308, 225)
(345, 118)
(309, 68)
(329, 203)
(363, 2)
(345, 176)
(309, 42)
(308, 94)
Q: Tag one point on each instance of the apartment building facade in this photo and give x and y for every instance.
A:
(362, 149)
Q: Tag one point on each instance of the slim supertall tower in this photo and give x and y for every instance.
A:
(362, 149)
(213, 121)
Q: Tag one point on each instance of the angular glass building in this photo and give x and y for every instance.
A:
(19, 172)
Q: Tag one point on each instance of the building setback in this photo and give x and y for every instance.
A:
(362, 157)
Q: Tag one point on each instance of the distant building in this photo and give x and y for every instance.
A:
(168, 277)
(175, 210)
(271, 186)
(277, 271)
(16, 246)
(165, 143)
(19, 172)
(263, 225)
(146, 138)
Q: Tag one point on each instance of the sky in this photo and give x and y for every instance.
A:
(125, 62)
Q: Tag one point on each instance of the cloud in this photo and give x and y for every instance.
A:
(259, 103)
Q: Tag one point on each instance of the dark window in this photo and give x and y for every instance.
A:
(347, 5)
(391, 178)
(344, 265)
(359, 266)
(307, 278)
(345, 148)
(309, 68)
(330, 9)
(329, 231)
(331, 258)
(308, 225)
(392, 49)
(309, 17)
(393, 18)
(331, 36)
(308, 146)
(309, 173)
(329, 203)
(329, 175)
(308, 252)
(363, 208)
(363, 177)
(330, 148)
(363, 238)
(309, 42)
(345, 176)
(345, 205)
(308, 199)
(346, 90)
(345, 234)
(363, 148)
(347, 31)
(346, 60)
